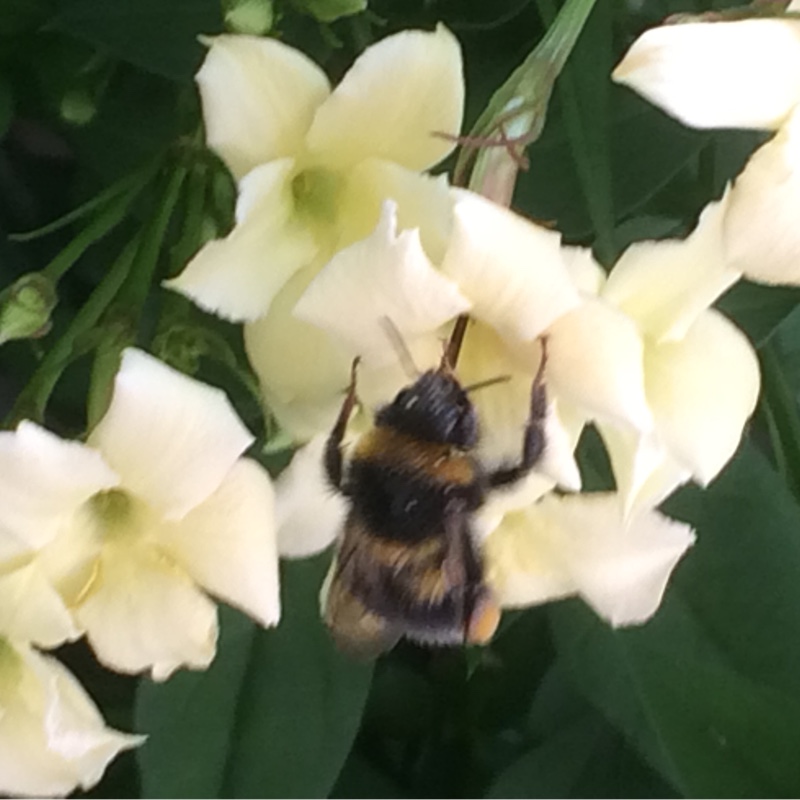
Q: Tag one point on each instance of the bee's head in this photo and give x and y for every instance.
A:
(434, 408)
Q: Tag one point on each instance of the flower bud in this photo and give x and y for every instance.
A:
(25, 312)
(252, 17)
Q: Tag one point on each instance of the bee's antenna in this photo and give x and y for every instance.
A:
(453, 347)
(488, 382)
(399, 344)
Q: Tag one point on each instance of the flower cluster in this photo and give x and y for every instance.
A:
(668, 382)
(120, 539)
(339, 227)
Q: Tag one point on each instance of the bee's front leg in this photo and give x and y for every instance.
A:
(533, 442)
(333, 448)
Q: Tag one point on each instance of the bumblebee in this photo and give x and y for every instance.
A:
(407, 564)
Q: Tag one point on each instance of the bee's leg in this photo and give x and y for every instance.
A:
(333, 448)
(533, 441)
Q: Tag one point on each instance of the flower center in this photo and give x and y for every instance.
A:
(316, 193)
(115, 514)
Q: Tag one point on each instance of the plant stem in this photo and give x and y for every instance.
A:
(33, 399)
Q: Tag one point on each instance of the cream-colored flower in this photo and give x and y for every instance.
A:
(303, 349)
(506, 271)
(583, 545)
(158, 506)
(701, 376)
(315, 165)
(52, 737)
(725, 74)
(513, 294)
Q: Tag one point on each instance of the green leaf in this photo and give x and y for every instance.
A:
(274, 716)
(758, 310)
(156, 36)
(6, 105)
(709, 691)
(648, 151)
(577, 754)
(191, 719)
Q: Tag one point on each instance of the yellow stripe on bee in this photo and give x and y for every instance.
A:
(423, 558)
(441, 462)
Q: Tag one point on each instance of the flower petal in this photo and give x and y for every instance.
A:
(423, 202)
(597, 363)
(31, 610)
(620, 568)
(702, 389)
(302, 371)
(399, 93)
(587, 275)
(52, 737)
(172, 438)
(144, 612)
(644, 470)
(227, 543)
(510, 269)
(386, 275)
(521, 566)
(762, 238)
(239, 276)
(259, 98)
(666, 285)
(309, 513)
(44, 480)
(734, 74)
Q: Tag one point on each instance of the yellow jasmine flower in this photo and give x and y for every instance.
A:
(315, 165)
(158, 506)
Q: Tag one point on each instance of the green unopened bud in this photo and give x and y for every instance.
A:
(254, 17)
(78, 107)
(330, 10)
(25, 312)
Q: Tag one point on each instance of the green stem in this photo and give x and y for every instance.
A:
(192, 222)
(518, 109)
(138, 284)
(133, 182)
(33, 399)
(120, 329)
(104, 222)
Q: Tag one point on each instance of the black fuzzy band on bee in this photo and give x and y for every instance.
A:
(400, 503)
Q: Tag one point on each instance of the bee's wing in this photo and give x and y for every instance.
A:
(357, 631)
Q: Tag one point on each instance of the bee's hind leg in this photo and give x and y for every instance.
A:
(533, 442)
(333, 448)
